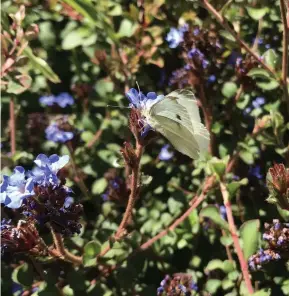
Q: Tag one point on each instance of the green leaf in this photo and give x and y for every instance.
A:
(41, 65)
(218, 166)
(103, 87)
(214, 264)
(258, 73)
(229, 89)
(263, 292)
(270, 85)
(79, 37)
(257, 13)
(247, 156)
(249, 233)
(227, 284)
(91, 250)
(23, 275)
(127, 28)
(145, 179)
(85, 8)
(99, 186)
(212, 285)
(270, 58)
(235, 185)
(213, 213)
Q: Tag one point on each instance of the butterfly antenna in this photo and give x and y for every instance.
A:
(137, 86)
(120, 107)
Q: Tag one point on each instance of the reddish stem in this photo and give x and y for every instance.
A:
(285, 51)
(176, 223)
(225, 24)
(133, 194)
(12, 126)
(233, 230)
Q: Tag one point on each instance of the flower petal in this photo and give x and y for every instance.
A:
(41, 160)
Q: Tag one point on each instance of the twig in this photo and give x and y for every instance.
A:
(12, 126)
(233, 230)
(95, 138)
(98, 133)
(195, 202)
(176, 223)
(225, 24)
(78, 179)
(239, 93)
(285, 52)
(63, 252)
(207, 115)
(134, 192)
(132, 198)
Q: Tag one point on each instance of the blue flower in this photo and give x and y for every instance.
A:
(223, 212)
(140, 101)
(212, 78)
(176, 36)
(47, 100)
(105, 196)
(194, 286)
(68, 202)
(255, 171)
(64, 99)
(48, 167)
(196, 31)
(165, 154)
(17, 189)
(135, 97)
(196, 53)
(258, 102)
(3, 188)
(54, 134)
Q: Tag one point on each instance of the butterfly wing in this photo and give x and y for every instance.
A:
(187, 99)
(179, 136)
(177, 118)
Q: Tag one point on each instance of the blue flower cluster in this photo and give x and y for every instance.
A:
(140, 101)
(277, 237)
(62, 100)
(256, 172)
(55, 134)
(262, 257)
(20, 185)
(177, 286)
(257, 103)
(176, 36)
(165, 154)
(198, 55)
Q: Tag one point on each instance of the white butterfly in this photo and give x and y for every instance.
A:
(176, 116)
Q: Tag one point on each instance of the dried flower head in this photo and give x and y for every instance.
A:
(278, 184)
(179, 285)
(21, 238)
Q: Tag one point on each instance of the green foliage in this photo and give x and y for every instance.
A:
(96, 50)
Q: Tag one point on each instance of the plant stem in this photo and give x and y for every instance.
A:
(208, 116)
(177, 222)
(194, 204)
(225, 24)
(233, 230)
(132, 198)
(134, 192)
(58, 242)
(285, 51)
(78, 179)
(12, 126)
